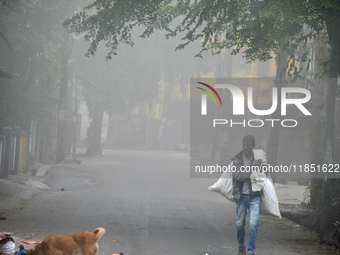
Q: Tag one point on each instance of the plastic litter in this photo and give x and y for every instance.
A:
(29, 242)
(7, 245)
(257, 181)
(7, 248)
(21, 251)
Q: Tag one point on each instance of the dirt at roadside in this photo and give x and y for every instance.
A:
(18, 243)
(291, 238)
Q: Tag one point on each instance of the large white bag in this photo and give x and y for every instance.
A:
(269, 201)
(224, 185)
(7, 248)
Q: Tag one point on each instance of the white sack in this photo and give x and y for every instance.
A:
(269, 201)
(260, 154)
(7, 248)
(257, 181)
(224, 185)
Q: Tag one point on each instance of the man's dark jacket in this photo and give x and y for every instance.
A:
(240, 177)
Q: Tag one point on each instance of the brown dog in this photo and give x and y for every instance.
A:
(76, 243)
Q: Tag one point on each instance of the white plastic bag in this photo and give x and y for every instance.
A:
(257, 181)
(269, 201)
(224, 185)
(7, 248)
(260, 154)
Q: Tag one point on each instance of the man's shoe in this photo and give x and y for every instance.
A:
(241, 250)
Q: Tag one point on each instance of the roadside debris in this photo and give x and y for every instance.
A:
(21, 250)
(7, 244)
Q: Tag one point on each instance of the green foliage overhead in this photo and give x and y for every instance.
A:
(260, 27)
(112, 23)
(30, 52)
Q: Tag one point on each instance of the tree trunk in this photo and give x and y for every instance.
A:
(62, 108)
(95, 130)
(333, 29)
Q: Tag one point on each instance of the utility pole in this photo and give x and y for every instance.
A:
(330, 115)
(227, 69)
(274, 135)
(62, 107)
(334, 30)
(74, 133)
(326, 186)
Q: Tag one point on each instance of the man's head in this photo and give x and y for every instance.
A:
(248, 145)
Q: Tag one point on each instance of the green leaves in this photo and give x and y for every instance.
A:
(261, 27)
(35, 34)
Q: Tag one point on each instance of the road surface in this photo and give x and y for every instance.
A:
(148, 204)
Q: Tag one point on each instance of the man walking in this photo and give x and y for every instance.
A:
(244, 196)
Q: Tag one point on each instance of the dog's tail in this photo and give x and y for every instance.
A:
(98, 232)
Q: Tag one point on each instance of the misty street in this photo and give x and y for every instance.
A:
(181, 127)
(148, 204)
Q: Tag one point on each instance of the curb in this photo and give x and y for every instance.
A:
(42, 170)
(295, 217)
(19, 188)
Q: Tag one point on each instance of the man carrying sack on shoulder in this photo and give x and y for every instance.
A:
(246, 195)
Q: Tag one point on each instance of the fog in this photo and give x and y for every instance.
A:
(64, 95)
(124, 113)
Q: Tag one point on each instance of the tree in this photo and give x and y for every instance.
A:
(118, 85)
(32, 37)
(259, 27)
(130, 77)
(28, 52)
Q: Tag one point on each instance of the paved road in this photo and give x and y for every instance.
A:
(148, 204)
